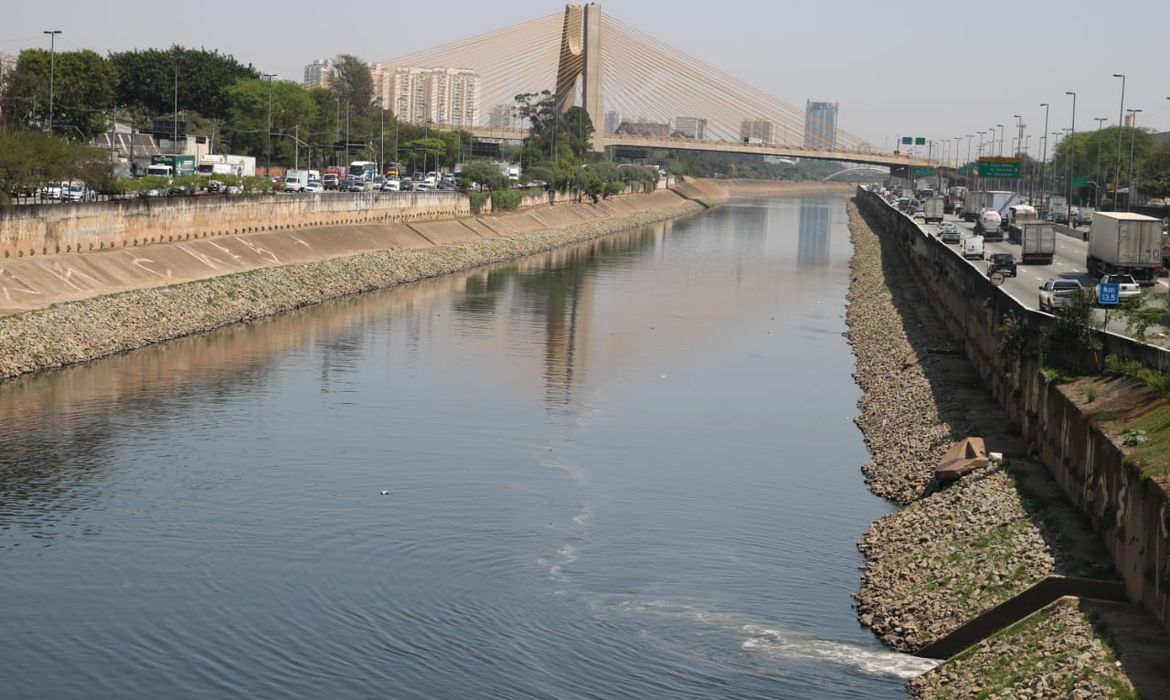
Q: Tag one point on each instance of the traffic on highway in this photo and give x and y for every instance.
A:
(1039, 286)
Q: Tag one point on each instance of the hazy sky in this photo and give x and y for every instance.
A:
(933, 69)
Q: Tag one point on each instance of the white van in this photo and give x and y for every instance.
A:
(973, 247)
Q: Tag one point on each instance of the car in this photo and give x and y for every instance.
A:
(330, 181)
(406, 185)
(1127, 287)
(357, 185)
(919, 216)
(425, 185)
(52, 190)
(1001, 262)
(78, 193)
(1059, 291)
(392, 184)
(314, 186)
(949, 233)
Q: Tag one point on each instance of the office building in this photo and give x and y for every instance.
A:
(820, 125)
(319, 73)
(646, 129)
(755, 131)
(612, 121)
(691, 127)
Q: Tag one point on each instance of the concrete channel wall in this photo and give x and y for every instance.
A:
(51, 229)
(1130, 512)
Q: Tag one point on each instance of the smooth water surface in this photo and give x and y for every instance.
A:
(623, 470)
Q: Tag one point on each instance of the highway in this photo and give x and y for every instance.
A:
(1069, 262)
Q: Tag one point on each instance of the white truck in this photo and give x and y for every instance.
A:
(989, 225)
(1017, 216)
(1058, 210)
(933, 209)
(214, 164)
(972, 247)
(979, 202)
(1037, 242)
(1125, 243)
(296, 180)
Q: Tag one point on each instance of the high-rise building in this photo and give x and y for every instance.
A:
(612, 121)
(691, 127)
(320, 73)
(447, 96)
(820, 125)
(755, 131)
(504, 116)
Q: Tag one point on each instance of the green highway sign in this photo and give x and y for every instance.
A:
(920, 141)
(1080, 182)
(923, 172)
(1008, 168)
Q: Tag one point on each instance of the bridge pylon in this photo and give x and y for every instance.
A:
(581, 57)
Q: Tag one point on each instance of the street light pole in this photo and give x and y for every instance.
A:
(1044, 157)
(52, 69)
(268, 147)
(175, 124)
(1097, 175)
(981, 133)
(1132, 135)
(1072, 144)
(1120, 124)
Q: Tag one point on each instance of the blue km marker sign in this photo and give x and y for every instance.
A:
(1108, 294)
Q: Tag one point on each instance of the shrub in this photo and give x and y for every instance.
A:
(506, 200)
(478, 199)
(1158, 381)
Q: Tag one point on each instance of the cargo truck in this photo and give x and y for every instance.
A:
(1037, 242)
(226, 165)
(171, 166)
(1125, 243)
(933, 209)
(978, 202)
(296, 180)
(1017, 216)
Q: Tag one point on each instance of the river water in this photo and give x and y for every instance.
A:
(622, 470)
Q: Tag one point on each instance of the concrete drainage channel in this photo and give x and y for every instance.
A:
(978, 572)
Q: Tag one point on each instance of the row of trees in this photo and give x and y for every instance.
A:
(217, 95)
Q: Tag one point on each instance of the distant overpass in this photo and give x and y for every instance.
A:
(604, 141)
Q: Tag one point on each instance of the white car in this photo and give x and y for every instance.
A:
(392, 185)
(78, 193)
(314, 186)
(1058, 292)
(1127, 287)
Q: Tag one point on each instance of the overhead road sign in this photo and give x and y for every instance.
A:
(923, 172)
(1008, 168)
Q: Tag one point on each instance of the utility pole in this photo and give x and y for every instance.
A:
(1072, 145)
(1097, 176)
(175, 124)
(269, 77)
(1132, 134)
(1044, 157)
(1120, 125)
(52, 69)
(382, 145)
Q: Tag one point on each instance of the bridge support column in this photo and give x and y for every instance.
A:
(581, 57)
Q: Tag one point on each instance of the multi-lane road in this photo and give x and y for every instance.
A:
(1069, 262)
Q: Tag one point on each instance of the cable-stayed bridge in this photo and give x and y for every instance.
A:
(608, 67)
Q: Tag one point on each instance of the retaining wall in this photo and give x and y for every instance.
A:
(1129, 511)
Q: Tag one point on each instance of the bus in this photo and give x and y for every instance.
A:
(363, 170)
(392, 170)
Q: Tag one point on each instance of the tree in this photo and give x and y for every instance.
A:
(1155, 173)
(1141, 312)
(485, 174)
(424, 153)
(560, 137)
(83, 92)
(148, 80)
